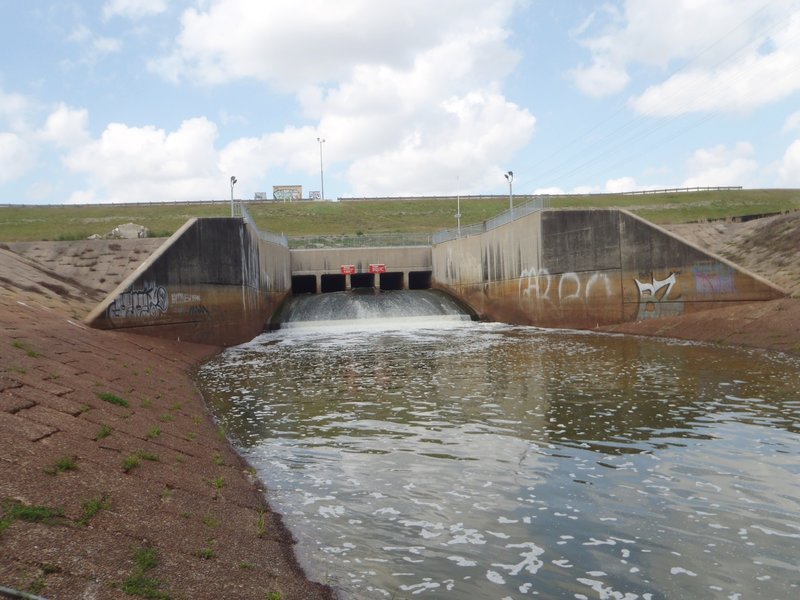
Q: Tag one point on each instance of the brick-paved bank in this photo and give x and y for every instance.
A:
(112, 474)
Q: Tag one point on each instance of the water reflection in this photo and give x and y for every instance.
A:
(486, 461)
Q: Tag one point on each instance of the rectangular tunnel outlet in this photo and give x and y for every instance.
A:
(362, 280)
(392, 281)
(419, 280)
(333, 283)
(304, 284)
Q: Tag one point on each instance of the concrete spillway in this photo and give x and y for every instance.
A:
(368, 306)
(218, 281)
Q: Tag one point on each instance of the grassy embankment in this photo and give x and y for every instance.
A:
(351, 218)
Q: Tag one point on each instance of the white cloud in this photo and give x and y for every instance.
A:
(623, 184)
(15, 111)
(133, 9)
(140, 164)
(106, 45)
(16, 155)
(96, 46)
(602, 78)
(721, 166)
(476, 130)
(551, 191)
(740, 56)
(310, 41)
(789, 169)
(66, 127)
(408, 94)
(792, 123)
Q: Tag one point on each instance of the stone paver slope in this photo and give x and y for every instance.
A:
(112, 474)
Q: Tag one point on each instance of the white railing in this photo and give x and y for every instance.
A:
(373, 240)
(535, 205)
(267, 236)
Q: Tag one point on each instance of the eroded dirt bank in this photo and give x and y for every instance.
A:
(112, 474)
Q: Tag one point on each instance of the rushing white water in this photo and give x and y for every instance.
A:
(485, 461)
(388, 309)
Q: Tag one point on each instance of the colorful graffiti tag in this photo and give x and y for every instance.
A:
(655, 299)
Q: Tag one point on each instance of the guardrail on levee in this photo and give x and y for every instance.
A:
(267, 236)
(373, 240)
(517, 212)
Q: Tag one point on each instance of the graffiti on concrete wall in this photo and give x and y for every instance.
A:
(539, 285)
(656, 299)
(190, 304)
(713, 278)
(150, 300)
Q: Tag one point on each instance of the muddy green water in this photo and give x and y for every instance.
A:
(487, 461)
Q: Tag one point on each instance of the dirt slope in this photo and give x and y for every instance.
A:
(769, 247)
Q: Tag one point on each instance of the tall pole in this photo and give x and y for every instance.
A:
(458, 205)
(233, 183)
(321, 175)
(510, 177)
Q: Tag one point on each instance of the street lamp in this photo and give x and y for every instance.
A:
(458, 205)
(233, 183)
(510, 177)
(321, 177)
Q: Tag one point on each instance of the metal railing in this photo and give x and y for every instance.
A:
(267, 236)
(373, 240)
(535, 205)
(686, 189)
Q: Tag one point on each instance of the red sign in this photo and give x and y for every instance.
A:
(348, 269)
(381, 268)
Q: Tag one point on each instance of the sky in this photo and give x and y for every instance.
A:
(165, 100)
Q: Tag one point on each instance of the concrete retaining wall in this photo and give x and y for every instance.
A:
(330, 260)
(215, 281)
(584, 268)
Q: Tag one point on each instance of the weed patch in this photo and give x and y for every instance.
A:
(132, 461)
(210, 521)
(207, 553)
(65, 463)
(261, 525)
(92, 507)
(153, 433)
(17, 511)
(129, 463)
(139, 584)
(113, 399)
(104, 432)
(20, 345)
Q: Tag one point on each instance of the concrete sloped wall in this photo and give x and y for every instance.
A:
(215, 281)
(585, 268)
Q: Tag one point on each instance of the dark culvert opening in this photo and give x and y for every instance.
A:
(362, 280)
(391, 281)
(304, 284)
(333, 283)
(419, 280)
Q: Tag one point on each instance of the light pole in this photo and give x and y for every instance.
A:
(233, 183)
(510, 177)
(458, 205)
(321, 176)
